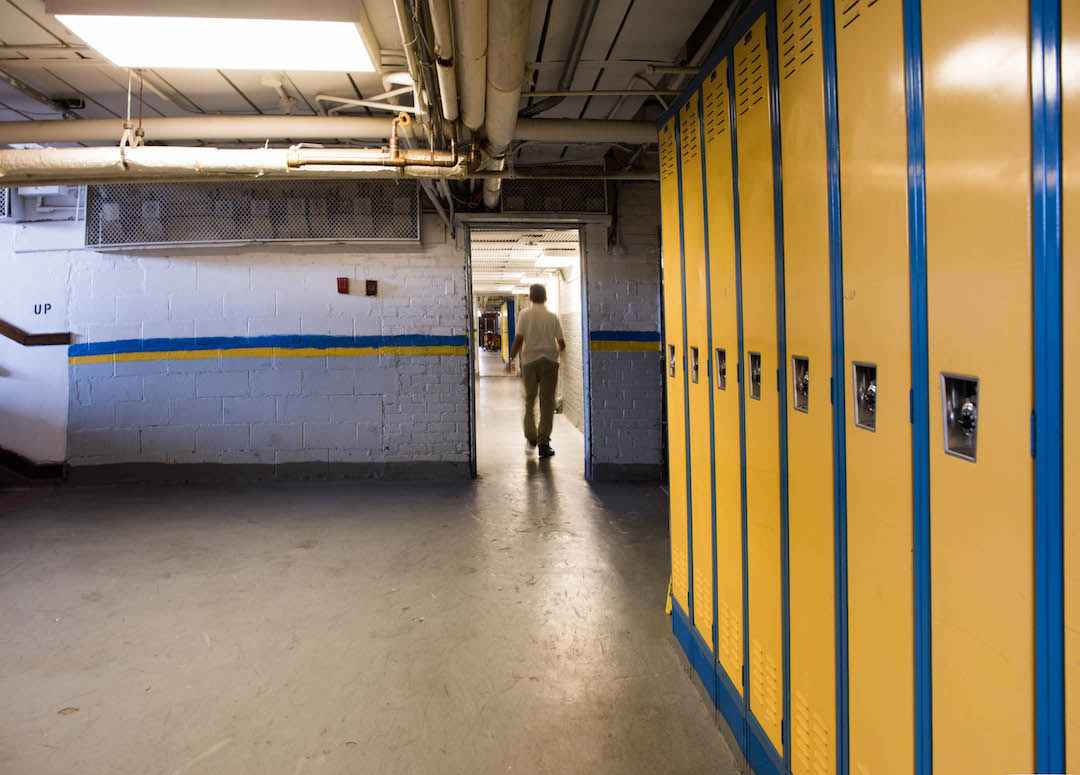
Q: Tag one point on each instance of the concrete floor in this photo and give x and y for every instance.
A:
(513, 624)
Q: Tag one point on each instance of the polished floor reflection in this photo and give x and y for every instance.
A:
(512, 624)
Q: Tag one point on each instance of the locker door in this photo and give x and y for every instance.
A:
(673, 364)
(873, 184)
(978, 253)
(758, 244)
(725, 388)
(697, 366)
(809, 346)
(1070, 73)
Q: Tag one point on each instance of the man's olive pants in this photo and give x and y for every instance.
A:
(540, 378)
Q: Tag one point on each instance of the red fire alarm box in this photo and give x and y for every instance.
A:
(343, 285)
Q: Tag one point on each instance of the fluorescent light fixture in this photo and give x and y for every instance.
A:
(223, 44)
(556, 259)
(504, 288)
(527, 281)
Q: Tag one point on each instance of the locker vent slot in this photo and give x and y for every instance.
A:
(800, 383)
(689, 131)
(851, 10)
(750, 74)
(667, 154)
(715, 108)
(864, 376)
(798, 37)
(755, 376)
(721, 368)
(130, 215)
(960, 414)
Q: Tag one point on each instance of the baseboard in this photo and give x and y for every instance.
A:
(626, 472)
(24, 470)
(199, 473)
(758, 752)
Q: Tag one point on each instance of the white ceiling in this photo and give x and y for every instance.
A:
(40, 51)
(502, 257)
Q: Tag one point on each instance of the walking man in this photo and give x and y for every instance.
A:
(539, 339)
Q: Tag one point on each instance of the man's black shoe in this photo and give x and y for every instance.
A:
(546, 450)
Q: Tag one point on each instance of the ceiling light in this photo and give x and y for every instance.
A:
(223, 44)
(505, 288)
(556, 259)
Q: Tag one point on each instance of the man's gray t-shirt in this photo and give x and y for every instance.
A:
(540, 329)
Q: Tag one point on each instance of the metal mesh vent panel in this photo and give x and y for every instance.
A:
(5, 203)
(258, 211)
(554, 196)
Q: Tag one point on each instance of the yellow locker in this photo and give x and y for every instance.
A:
(809, 347)
(673, 367)
(697, 365)
(725, 356)
(978, 246)
(758, 243)
(873, 168)
(1070, 73)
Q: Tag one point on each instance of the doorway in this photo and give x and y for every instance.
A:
(503, 261)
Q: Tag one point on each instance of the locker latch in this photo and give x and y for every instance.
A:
(671, 360)
(800, 382)
(960, 413)
(864, 376)
(755, 376)
(721, 368)
(695, 365)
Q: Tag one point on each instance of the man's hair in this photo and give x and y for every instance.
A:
(537, 294)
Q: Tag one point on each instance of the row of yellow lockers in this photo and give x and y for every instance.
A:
(749, 349)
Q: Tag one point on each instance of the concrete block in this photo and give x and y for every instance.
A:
(126, 368)
(107, 389)
(275, 436)
(80, 392)
(313, 408)
(369, 437)
(275, 382)
(121, 276)
(272, 326)
(299, 364)
(84, 370)
(169, 277)
(91, 416)
(302, 456)
(329, 435)
(260, 409)
(217, 438)
(114, 442)
(191, 307)
(223, 276)
(220, 327)
(197, 411)
(142, 413)
(193, 366)
(366, 409)
(140, 309)
(328, 382)
(162, 387)
(168, 441)
(226, 383)
(245, 364)
(238, 305)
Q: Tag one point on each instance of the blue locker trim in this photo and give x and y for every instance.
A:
(771, 44)
(1049, 386)
(742, 389)
(685, 383)
(751, 739)
(836, 300)
(920, 366)
(511, 321)
(586, 363)
(281, 341)
(709, 370)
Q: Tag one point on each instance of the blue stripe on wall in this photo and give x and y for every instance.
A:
(624, 336)
(243, 342)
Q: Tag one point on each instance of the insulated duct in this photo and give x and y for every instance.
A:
(444, 57)
(261, 128)
(508, 32)
(471, 37)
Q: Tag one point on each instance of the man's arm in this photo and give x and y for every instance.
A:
(519, 342)
(562, 344)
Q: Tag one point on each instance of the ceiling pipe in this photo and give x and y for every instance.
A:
(262, 128)
(577, 44)
(508, 32)
(408, 41)
(442, 27)
(156, 163)
(471, 37)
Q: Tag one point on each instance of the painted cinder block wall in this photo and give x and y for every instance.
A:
(625, 381)
(571, 375)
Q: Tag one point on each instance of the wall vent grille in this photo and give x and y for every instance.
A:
(798, 36)
(555, 196)
(750, 72)
(5, 204)
(715, 109)
(146, 215)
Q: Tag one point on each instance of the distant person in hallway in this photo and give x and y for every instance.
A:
(539, 339)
